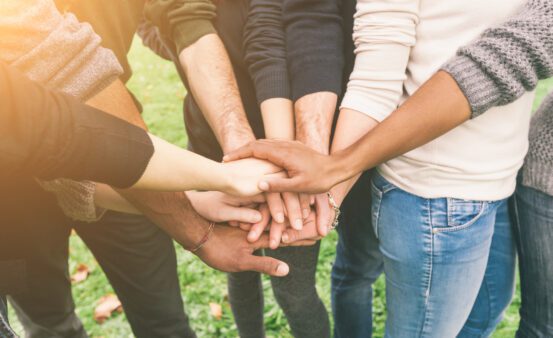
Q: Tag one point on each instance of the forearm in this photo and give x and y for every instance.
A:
(278, 118)
(172, 212)
(421, 119)
(351, 126)
(174, 169)
(314, 115)
(170, 167)
(106, 197)
(214, 88)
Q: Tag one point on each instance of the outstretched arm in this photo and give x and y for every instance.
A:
(422, 118)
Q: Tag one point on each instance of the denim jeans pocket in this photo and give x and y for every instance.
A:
(461, 214)
(379, 187)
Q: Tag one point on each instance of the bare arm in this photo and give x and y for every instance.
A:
(214, 88)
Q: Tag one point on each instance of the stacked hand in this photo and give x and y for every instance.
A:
(307, 170)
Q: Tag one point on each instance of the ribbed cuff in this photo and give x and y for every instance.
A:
(317, 76)
(537, 175)
(479, 88)
(272, 83)
(188, 32)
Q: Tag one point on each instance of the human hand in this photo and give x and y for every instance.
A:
(308, 170)
(220, 207)
(243, 175)
(228, 250)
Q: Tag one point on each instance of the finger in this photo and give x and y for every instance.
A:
(281, 184)
(275, 234)
(276, 206)
(267, 265)
(293, 209)
(246, 226)
(248, 201)
(312, 200)
(305, 205)
(304, 242)
(240, 214)
(261, 149)
(240, 153)
(258, 228)
(291, 235)
(323, 214)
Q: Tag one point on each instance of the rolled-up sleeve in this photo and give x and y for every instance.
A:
(181, 21)
(53, 135)
(384, 32)
(506, 61)
(265, 50)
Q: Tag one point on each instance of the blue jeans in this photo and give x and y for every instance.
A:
(534, 234)
(435, 254)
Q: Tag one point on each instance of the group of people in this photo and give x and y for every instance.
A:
(405, 125)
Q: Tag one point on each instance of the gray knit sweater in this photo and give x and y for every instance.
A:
(504, 63)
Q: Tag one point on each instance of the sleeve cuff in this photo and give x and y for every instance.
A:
(273, 83)
(366, 106)
(186, 33)
(479, 88)
(319, 77)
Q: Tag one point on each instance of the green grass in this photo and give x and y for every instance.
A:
(158, 87)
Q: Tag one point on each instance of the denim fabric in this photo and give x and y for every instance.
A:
(435, 255)
(498, 285)
(534, 235)
(358, 264)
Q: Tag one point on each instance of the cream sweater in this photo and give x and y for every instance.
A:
(399, 45)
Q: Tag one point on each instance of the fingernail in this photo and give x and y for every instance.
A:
(285, 238)
(252, 235)
(298, 224)
(273, 244)
(257, 218)
(282, 269)
(279, 217)
(263, 186)
(225, 158)
(306, 213)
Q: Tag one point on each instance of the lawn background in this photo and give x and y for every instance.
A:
(160, 91)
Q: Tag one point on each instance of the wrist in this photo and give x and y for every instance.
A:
(236, 141)
(342, 165)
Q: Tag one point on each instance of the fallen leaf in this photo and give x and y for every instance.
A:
(216, 310)
(81, 274)
(106, 306)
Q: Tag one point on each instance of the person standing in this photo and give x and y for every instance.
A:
(49, 311)
(269, 111)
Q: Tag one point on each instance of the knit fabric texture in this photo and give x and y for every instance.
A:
(502, 65)
(537, 172)
(64, 55)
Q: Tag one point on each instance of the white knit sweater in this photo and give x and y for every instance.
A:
(399, 45)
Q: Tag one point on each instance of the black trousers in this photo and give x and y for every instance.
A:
(138, 258)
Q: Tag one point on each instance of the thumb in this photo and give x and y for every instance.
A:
(238, 154)
(241, 215)
(267, 265)
(280, 184)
